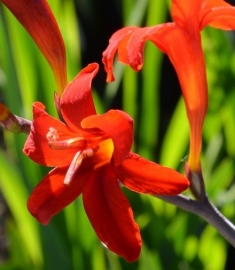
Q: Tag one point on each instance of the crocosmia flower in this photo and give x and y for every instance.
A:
(91, 156)
(181, 41)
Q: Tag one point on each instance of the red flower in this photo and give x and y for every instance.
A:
(181, 41)
(38, 20)
(91, 154)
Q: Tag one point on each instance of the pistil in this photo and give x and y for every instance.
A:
(77, 161)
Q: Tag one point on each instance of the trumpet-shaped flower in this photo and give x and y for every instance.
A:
(181, 41)
(91, 155)
(37, 18)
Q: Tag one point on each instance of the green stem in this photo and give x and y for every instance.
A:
(207, 211)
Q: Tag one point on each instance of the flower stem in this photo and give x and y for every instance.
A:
(207, 211)
(24, 124)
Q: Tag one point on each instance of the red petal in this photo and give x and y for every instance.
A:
(143, 176)
(218, 14)
(186, 14)
(136, 45)
(76, 102)
(117, 42)
(51, 195)
(37, 18)
(36, 145)
(118, 126)
(111, 216)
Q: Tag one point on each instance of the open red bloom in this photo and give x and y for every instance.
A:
(181, 41)
(91, 154)
(38, 19)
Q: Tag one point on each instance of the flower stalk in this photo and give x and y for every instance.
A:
(13, 123)
(206, 210)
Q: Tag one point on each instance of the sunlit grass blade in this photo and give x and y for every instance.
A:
(176, 138)
(150, 104)
(16, 196)
(69, 27)
(130, 93)
(22, 49)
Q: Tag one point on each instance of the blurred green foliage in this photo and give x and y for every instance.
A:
(173, 239)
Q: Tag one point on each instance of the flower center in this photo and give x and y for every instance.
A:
(87, 146)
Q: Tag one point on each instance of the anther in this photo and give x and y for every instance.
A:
(90, 152)
(52, 134)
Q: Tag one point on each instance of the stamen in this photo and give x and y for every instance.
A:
(92, 139)
(70, 143)
(77, 161)
(53, 136)
(74, 166)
